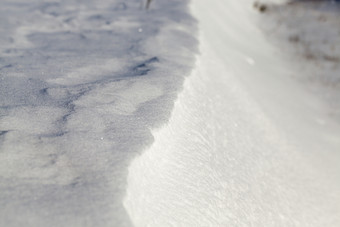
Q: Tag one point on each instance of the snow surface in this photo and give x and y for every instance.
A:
(308, 35)
(246, 145)
(81, 85)
(87, 93)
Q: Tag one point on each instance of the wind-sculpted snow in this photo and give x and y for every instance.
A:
(81, 85)
(246, 145)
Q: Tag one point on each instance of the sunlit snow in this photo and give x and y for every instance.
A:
(189, 113)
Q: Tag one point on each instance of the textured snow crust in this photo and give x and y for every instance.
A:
(246, 145)
(81, 85)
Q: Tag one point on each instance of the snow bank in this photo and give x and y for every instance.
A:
(245, 145)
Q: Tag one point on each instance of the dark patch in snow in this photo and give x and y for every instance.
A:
(2, 133)
(6, 66)
(143, 68)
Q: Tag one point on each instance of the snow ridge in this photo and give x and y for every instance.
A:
(239, 150)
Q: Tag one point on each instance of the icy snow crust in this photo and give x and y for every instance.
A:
(245, 145)
(81, 85)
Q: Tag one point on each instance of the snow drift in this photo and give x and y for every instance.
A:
(245, 145)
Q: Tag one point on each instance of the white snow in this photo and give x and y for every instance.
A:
(86, 86)
(246, 145)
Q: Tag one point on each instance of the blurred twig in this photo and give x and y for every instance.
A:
(148, 4)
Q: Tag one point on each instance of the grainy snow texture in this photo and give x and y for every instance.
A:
(246, 145)
(81, 85)
(90, 135)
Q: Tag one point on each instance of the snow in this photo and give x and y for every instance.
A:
(246, 145)
(307, 32)
(81, 85)
(107, 118)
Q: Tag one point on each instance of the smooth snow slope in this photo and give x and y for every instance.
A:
(245, 145)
